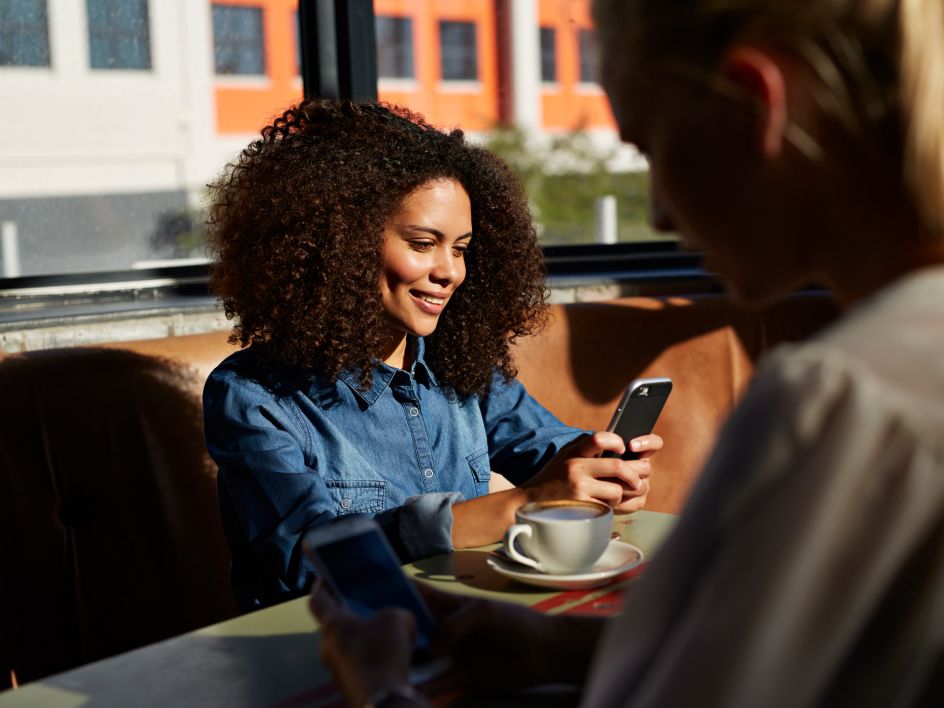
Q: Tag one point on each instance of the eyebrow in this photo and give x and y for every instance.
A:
(435, 232)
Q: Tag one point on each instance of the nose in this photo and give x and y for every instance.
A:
(448, 269)
(660, 215)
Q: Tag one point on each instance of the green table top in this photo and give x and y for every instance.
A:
(270, 657)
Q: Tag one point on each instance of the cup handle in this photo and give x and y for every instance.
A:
(510, 535)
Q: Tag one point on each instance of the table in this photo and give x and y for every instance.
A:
(269, 658)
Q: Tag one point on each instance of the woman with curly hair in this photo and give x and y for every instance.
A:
(380, 269)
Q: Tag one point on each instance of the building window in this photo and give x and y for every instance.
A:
(119, 35)
(238, 47)
(587, 53)
(457, 51)
(548, 55)
(394, 47)
(24, 33)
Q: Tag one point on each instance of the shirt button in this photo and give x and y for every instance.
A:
(414, 411)
(345, 503)
(427, 473)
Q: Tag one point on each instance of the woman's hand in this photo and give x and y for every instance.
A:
(363, 655)
(579, 472)
(645, 446)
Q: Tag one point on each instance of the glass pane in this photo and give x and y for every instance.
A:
(394, 47)
(24, 33)
(548, 55)
(588, 72)
(237, 40)
(120, 183)
(119, 34)
(458, 52)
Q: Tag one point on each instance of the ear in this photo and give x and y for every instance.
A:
(758, 74)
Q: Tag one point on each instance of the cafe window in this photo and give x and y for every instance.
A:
(587, 56)
(238, 45)
(457, 50)
(119, 34)
(548, 55)
(394, 47)
(24, 33)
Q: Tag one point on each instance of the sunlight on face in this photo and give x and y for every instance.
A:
(424, 256)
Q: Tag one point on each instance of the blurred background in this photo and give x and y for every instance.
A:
(116, 113)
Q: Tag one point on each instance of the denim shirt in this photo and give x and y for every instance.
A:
(292, 456)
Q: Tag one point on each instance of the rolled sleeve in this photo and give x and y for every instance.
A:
(422, 527)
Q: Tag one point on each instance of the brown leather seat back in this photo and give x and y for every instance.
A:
(580, 363)
(108, 508)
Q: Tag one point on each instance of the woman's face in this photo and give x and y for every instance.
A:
(709, 184)
(424, 255)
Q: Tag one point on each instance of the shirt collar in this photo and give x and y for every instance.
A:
(382, 374)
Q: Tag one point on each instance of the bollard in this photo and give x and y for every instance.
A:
(9, 250)
(606, 230)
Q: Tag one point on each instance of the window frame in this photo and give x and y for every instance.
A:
(459, 23)
(543, 32)
(247, 10)
(114, 35)
(411, 51)
(13, 29)
(585, 56)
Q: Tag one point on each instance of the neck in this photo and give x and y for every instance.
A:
(398, 353)
(868, 233)
(880, 249)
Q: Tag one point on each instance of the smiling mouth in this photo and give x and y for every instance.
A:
(432, 300)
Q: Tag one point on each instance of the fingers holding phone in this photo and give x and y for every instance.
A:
(363, 653)
(580, 471)
(363, 593)
(645, 446)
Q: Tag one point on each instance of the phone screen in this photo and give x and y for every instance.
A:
(362, 569)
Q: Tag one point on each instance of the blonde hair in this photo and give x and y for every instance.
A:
(881, 63)
(922, 99)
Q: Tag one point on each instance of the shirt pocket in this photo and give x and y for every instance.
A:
(356, 496)
(481, 469)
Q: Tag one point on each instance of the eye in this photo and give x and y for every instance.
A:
(459, 251)
(422, 245)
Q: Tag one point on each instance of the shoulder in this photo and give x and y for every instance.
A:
(830, 419)
(882, 358)
(240, 370)
(249, 374)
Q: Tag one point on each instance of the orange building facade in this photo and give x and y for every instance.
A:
(245, 103)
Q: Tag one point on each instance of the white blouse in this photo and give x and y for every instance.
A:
(808, 566)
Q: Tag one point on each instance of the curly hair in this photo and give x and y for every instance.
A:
(297, 224)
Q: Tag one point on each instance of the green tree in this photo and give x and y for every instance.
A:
(564, 177)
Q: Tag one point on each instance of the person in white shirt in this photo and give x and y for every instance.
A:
(793, 141)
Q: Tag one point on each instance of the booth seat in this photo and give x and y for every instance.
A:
(580, 363)
(108, 512)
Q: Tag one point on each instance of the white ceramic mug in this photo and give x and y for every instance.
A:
(561, 537)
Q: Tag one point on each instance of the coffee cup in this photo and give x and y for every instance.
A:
(561, 537)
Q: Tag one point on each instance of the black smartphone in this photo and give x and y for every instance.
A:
(638, 410)
(356, 562)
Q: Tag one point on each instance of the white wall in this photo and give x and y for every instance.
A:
(71, 130)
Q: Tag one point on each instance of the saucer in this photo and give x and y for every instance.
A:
(616, 560)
